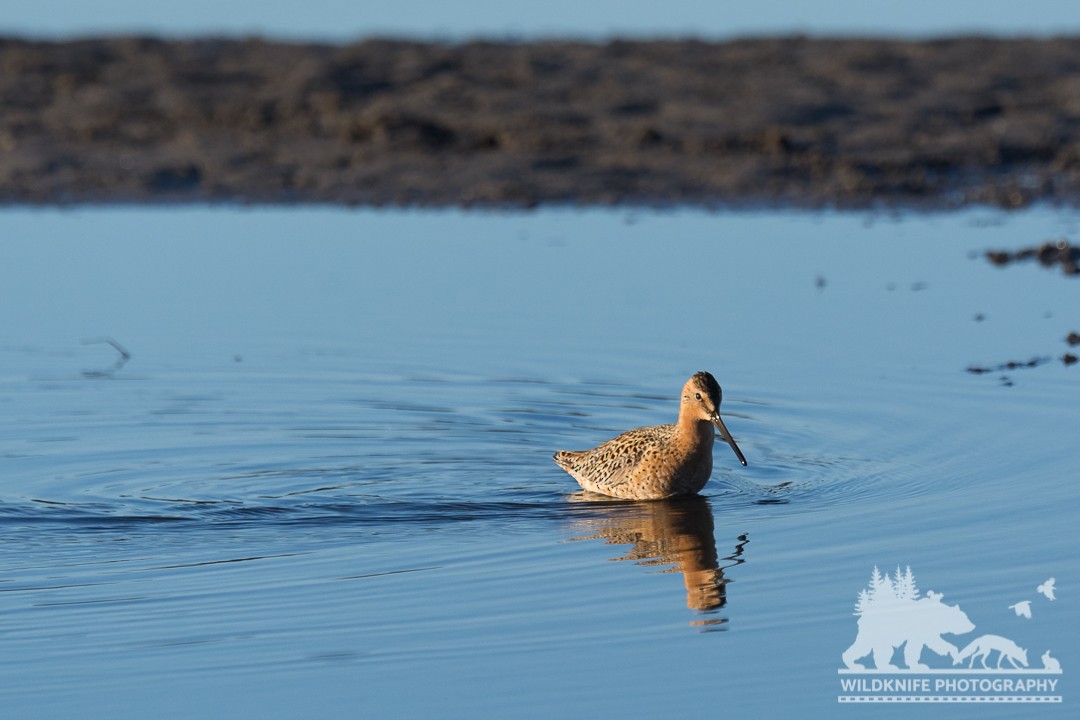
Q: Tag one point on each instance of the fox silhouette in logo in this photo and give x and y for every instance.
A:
(981, 647)
(891, 614)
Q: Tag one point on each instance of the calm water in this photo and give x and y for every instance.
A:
(322, 485)
(344, 20)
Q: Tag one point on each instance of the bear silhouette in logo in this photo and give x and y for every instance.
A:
(891, 614)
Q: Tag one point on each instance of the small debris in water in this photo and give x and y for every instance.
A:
(979, 317)
(1073, 339)
(1011, 365)
(1059, 252)
(1069, 359)
(120, 361)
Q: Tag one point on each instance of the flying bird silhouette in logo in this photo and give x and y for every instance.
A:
(1023, 609)
(1047, 589)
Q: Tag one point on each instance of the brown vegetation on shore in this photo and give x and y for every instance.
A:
(787, 120)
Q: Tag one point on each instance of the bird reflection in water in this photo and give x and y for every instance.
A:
(676, 534)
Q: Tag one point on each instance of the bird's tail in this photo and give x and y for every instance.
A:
(564, 459)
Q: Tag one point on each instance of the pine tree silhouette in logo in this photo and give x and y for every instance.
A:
(891, 614)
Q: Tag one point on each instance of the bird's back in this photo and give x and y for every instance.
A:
(639, 464)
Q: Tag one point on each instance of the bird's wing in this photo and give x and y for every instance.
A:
(625, 456)
(622, 466)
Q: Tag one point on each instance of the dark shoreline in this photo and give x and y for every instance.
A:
(791, 121)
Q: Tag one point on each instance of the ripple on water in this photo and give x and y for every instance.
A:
(376, 457)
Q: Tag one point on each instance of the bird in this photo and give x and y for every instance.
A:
(1022, 609)
(1047, 589)
(652, 463)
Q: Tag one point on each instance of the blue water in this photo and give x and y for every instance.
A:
(322, 486)
(343, 20)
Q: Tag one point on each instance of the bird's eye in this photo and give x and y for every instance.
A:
(697, 395)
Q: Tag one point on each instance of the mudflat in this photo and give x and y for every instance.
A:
(850, 123)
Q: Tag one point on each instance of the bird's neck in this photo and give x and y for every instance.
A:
(693, 431)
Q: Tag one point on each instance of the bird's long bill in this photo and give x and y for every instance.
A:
(727, 437)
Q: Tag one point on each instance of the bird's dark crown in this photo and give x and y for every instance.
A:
(708, 383)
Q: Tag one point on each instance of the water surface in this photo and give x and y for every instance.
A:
(341, 20)
(322, 483)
